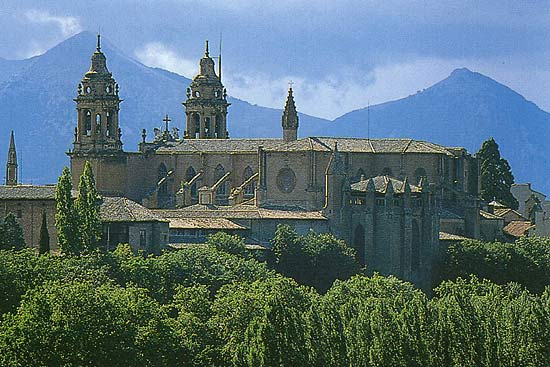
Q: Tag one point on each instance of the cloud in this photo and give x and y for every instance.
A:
(68, 25)
(156, 54)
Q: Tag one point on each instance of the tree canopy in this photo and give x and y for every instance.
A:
(496, 175)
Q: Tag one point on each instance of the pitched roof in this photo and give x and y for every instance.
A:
(27, 192)
(501, 212)
(381, 184)
(489, 216)
(444, 236)
(120, 209)
(203, 223)
(517, 228)
(325, 144)
(243, 211)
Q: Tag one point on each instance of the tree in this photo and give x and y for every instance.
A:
(87, 205)
(65, 216)
(11, 233)
(232, 244)
(315, 260)
(44, 241)
(496, 175)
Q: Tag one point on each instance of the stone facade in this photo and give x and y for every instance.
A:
(395, 232)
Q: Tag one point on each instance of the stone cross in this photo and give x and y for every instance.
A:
(166, 120)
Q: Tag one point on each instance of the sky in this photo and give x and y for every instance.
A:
(341, 55)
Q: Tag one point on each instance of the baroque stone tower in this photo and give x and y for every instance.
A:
(290, 118)
(97, 136)
(206, 104)
(97, 105)
(11, 164)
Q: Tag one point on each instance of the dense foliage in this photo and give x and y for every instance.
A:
(218, 306)
(11, 233)
(44, 239)
(496, 175)
(315, 259)
(86, 205)
(527, 262)
(66, 220)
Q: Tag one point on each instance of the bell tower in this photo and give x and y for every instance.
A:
(206, 104)
(97, 134)
(97, 105)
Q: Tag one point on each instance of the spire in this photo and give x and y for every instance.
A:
(206, 53)
(290, 117)
(11, 164)
(98, 48)
(336, 163)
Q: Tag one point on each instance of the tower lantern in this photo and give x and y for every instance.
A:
(206, 104)
(97, 104)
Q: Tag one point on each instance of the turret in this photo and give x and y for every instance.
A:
(290, 119)
(97, 104)
(206, 104)
(11, 164)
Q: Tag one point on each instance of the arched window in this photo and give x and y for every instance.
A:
(359, 244)
(415, 246)
(196, 124)
(109, 123)
(248, 189)
(387, 172)
(88, 123)
(207, 127)
(189, 174)
(418, 174)
(219, 132)
(218, 173)
(162, 173)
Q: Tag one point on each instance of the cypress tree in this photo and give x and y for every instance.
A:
(65, 217)
(44, 242)
(496, 175)
(12, 233)
(87, 206)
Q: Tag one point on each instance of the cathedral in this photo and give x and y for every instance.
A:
(388, 198)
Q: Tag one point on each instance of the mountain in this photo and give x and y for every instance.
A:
(36, 101)
(465, 109)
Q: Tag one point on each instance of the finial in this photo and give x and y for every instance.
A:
(99, 42)
(206, 53)
(166, 120)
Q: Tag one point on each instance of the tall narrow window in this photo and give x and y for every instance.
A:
(142, 238)
(189, 174)
(88, 123)
(218, 173)
(248, 189)
(162, 172)
(196, 125)
(219, 133)
(109, 123)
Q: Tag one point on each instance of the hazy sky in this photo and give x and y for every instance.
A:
(340, 54)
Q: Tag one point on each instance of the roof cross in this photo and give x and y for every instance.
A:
(166, 120)
(290, 84)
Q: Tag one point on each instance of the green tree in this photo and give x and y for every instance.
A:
(496, 175)
(44, 241)
(315, 259)
(231, 244)
(66, 221)
(11, 233)
(87, 205)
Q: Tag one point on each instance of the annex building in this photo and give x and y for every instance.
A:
(388, 198)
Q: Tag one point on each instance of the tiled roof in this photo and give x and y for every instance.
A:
(496, 204)
(120, 209)
(381, 183)
(501, 212)
(305, 144)
(517, 228)
(444, 236)
(203, 223)
(27, 192)
(489, 216)
(238, 212)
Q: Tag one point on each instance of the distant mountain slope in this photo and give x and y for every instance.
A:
(464, 110)
(36, 101)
